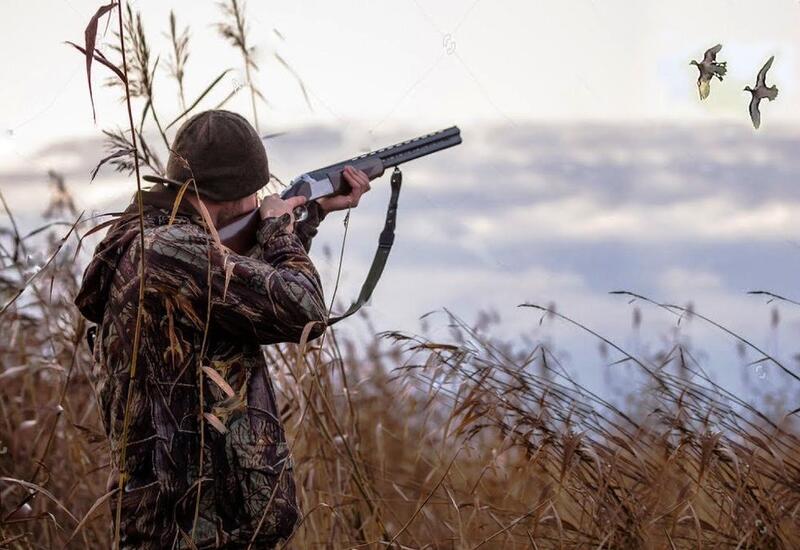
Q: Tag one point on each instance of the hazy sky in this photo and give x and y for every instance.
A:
(370, 64)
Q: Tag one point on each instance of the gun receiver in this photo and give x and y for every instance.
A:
(239, 235)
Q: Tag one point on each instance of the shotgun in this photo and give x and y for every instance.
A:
(239, 235)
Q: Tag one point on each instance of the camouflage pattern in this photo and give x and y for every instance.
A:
(201, 333)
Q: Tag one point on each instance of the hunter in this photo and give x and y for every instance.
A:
(205, 307)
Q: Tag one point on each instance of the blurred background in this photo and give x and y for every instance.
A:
(589, 163)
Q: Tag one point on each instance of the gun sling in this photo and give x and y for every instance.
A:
(385, 242)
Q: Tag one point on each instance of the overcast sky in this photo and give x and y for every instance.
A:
(421, 62)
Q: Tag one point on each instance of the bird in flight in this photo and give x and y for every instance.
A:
(709, 67)
(760, 92)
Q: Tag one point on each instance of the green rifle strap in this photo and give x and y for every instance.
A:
(381, 255)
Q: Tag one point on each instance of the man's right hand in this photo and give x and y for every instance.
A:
(274, 207)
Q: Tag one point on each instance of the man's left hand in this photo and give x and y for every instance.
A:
(359, 184)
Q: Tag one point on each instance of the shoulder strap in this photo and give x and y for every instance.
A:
(385, 243)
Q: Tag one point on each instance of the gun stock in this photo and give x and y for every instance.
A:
(240, 234)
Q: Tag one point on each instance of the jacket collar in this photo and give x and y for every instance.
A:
(162, 197)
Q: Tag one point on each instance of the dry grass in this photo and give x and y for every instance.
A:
(406, 443)
(463, 444)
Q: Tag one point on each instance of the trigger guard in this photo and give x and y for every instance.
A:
(300, 213)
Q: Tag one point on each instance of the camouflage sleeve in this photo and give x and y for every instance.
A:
(265, 299)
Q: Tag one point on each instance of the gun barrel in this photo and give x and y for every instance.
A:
(404, 151)
(415, 149)
(421, 141)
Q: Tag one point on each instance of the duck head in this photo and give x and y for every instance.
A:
(693, 62)
(748, 89)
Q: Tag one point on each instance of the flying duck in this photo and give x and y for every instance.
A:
(760, 92)
(709, 68)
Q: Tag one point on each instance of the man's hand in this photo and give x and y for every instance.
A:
(359, 184)
(274, 207)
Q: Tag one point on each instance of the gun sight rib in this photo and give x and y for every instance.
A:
(404, 151)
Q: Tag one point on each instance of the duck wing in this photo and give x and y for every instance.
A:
(711, 54)
(755, 113)
(762, 74)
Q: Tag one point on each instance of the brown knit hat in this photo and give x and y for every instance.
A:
(223, 153)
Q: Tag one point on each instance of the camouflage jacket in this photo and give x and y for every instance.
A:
(206, 313)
